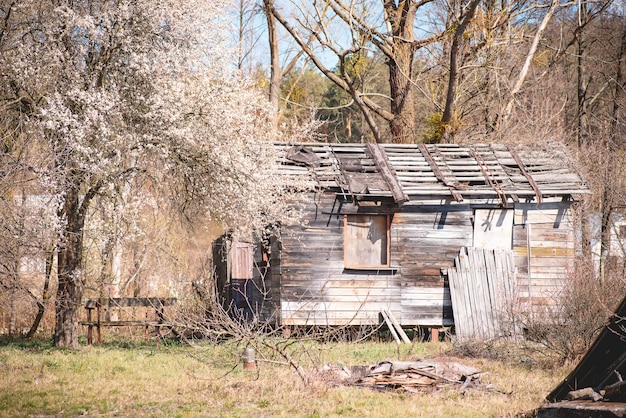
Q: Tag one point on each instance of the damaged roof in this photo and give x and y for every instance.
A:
(404, 172)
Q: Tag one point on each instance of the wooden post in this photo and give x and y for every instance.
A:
(161, 316)
(147, 331)
(249, 361)
(98, 313)
(89, 327)
(434, 334)
(390, 326)
(286, 331)
(398, 327)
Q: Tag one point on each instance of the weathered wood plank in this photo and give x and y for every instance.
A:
(546, 282)
(343, 302)
(424, 319)
(420, 270)
(439, 290)
(539, 243)
(130, 302)
(480, 292)
(424, 282)
(545, 252)
(323, 308)
(331, 320)
(336, 282)
(425, 304)
(550, 272)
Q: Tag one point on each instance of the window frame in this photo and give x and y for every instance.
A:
(349, 264)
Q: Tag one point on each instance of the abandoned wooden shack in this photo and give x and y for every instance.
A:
(434, 235)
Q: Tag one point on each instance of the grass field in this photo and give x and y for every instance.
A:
(174, 380)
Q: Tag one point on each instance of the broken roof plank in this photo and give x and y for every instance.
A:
(439, 173)
(379, 157)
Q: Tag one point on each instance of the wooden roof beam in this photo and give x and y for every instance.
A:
(490, 177)
(387, 173)
(526, 174)
(438, 173)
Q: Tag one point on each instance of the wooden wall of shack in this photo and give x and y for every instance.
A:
(300, 278)
(425, 239)
(317, 289)
(544, 244)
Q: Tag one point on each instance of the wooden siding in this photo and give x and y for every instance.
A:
(544, 245)
(317, 288)
(307, 283)
(493, 228)
(425, 239)
(426, 306)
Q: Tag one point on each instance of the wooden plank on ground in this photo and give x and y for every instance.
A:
(392, 329)
(398, 327)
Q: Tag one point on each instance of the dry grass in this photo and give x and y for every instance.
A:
(188, 381)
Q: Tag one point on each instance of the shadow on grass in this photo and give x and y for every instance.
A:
(23, 343)
(132, 343)
(47, 343)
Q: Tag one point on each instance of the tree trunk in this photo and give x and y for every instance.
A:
(400, 19)
(70, 290)
(581, 92)
(612, 179)
(275, 70)
(585, 234)
(41, 305)
(605, 230)
(446, 118)
(403, 128)
(615, 136)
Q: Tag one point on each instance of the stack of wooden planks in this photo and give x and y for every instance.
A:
(419, 375)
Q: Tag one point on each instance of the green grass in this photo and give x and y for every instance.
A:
(131, 379)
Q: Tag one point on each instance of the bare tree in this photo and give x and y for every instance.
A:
(460, 26)
(389, 27)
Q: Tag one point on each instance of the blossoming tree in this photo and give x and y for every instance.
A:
(133, 93)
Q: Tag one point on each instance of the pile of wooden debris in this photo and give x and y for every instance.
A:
(411, 376)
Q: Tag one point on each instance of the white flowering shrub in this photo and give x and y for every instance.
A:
(132, 100)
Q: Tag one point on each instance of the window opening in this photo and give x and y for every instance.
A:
(366, 241)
